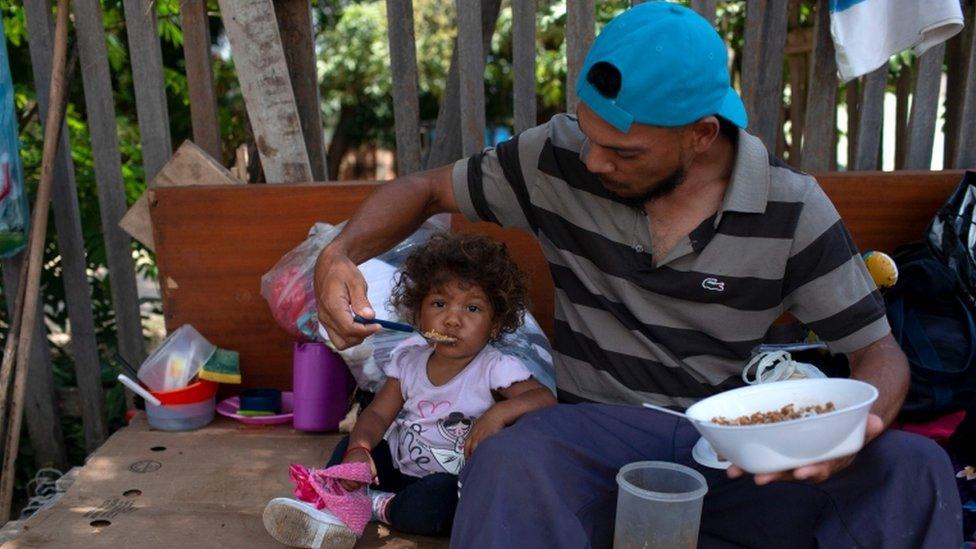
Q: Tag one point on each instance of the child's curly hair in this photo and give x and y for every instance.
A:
(470, 258)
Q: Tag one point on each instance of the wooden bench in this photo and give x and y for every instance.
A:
(213, 245)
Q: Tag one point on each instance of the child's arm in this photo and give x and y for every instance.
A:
(520, 398)
(371, 424)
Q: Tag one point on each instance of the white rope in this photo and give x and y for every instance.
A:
(771, 366)
(46, 489)
(777, 366)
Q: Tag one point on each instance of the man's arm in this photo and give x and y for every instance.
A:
(884, 365)
(391, 213)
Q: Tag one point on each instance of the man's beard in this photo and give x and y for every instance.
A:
(663, 188)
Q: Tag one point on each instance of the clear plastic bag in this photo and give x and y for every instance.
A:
(14, 213)
(288, 289)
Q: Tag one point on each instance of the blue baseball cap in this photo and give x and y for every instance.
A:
(673, 69)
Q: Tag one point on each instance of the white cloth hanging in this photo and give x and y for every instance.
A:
(867, 32)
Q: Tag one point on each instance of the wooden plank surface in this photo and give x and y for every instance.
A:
(819, 129)
(870, 120)
(298, 42)
(203, 488)
(195, 24)
(446, 147)
(71, 244)
(471, 77)
(147, 76)
(108, 173)
(212, 281)
(580, 28)
(925, 105)
(403, 65)
(222, 254)
(523, 64)
(263, 73)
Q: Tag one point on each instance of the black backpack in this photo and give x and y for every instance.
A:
(933, 320)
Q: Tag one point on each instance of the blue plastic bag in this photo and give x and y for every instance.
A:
(14, 215)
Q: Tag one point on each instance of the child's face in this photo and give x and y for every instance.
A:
(461, 310)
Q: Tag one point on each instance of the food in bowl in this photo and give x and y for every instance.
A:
(786, 413)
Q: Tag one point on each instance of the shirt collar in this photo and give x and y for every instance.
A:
(749, 184)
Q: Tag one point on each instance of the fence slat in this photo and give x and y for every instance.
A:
(147, 77)
(298, 42)
(403, 64)
(472, 76)
(706, 8)
(447, 131)
(263, 73)
(580, 27)
(819, 127)
(965, 136)
(199, 76)
(523, 61)
(67, 222)
(752, 52)
(762, 67)
(40, 406)
(108, 173)
(925, 105)
(870, 120)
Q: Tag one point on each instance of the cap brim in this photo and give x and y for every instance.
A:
(733, 109)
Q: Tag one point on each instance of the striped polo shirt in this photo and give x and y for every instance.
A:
(628, 330)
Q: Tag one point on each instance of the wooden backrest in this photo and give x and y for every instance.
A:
(214, 243)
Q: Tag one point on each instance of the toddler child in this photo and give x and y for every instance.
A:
(440, 401)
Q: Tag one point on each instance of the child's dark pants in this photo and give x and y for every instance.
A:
(423, 506)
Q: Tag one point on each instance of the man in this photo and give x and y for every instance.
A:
(674, 241)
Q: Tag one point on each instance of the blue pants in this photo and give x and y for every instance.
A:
(548, 481)
(423, 506)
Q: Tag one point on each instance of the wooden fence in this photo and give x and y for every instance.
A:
(273, 38)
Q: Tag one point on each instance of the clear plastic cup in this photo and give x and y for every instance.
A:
(659, 504)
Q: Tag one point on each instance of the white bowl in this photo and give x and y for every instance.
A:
(773, 447)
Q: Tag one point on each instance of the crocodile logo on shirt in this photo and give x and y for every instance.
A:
(713, 284)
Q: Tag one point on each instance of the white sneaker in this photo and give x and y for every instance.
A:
(298, 524)
(777, 366)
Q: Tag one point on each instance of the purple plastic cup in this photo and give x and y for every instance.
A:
(321, 386)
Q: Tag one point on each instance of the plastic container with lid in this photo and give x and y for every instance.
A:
(177, 360)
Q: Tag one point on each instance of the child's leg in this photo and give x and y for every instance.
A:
(425, 506)
(391, 479)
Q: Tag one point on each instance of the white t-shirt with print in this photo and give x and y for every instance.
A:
(428, 434)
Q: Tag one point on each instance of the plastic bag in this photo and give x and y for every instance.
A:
(14, 213)
(288, 288)
(952, 235)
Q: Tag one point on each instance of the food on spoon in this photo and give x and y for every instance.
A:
(439, 337)
(786, 413)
